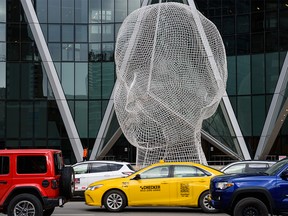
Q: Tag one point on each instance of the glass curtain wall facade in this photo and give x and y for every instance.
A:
(256, 41)
(81, 34)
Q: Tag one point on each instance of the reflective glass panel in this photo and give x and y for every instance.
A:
(3, 11)
(133, 5)
(2, 51)
(81, 77)
(95, 12)
(231, 82)
(26, 119)
(13, 78)
(40, 119)
(81, 8)
(120, 10)
(258, 114)
(94, 118)
(94, 81)
(41, 10)
(67, 33)
(54, 11)
(12, 119)
(257, 43)
(68, 11)
(54, 33)
(258, 74)
(95, 54)
(81, 118)
(107, 79)
(28, 83)
(108, 32)
(81, 33)
(108, 52)
(2, 32)
(13, 51)
(55, 51)
(67, 52)
(243, 24)
(243, 75)
(68, 79)
(81, 52)
(244, 114)
(2, 77)
(2, 118)
(95, 33)
(228, 25)
(108, 11)
(272, 71)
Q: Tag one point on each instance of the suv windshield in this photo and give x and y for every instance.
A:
(273, 170)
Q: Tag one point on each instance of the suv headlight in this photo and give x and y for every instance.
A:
(94, 187)
(223, 185)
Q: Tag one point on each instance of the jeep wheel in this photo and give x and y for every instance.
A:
(204, 203)
(67, 182)
(48, 212)
(114, 201)
(250, 206)
(25, 204)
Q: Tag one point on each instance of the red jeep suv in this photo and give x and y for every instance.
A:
(33, 181)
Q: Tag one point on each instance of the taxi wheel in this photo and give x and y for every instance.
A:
(114, 201)
(204, 203)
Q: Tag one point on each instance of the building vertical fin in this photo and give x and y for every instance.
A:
(276, 115)
(53, 78)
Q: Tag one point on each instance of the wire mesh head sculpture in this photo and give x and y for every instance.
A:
(165, 84)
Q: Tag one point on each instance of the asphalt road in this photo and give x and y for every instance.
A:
(79, 208)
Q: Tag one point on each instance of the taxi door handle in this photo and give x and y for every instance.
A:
(164, 183)
(3, 182)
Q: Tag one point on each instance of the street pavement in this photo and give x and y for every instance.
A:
(79, 208)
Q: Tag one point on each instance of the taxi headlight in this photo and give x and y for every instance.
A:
(223, 185)
(94, 187)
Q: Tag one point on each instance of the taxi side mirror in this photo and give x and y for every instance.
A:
(136, 177)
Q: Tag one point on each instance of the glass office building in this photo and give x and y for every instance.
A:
(57, 75)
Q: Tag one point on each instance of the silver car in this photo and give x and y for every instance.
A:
(247, 166)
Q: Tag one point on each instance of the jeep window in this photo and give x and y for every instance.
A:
(4, 165)
(31, 164)
(58, 163)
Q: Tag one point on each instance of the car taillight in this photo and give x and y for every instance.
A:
(54, 184)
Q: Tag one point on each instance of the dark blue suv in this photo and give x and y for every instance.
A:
(257, 194)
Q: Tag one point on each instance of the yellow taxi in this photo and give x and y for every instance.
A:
(183, 184)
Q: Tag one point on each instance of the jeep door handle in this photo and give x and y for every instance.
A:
(3, 182)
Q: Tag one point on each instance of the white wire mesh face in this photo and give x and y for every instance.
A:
(165, 83)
